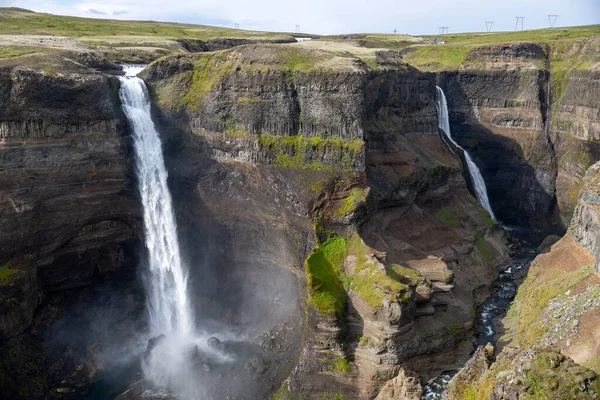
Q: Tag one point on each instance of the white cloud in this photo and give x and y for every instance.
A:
(336, 16)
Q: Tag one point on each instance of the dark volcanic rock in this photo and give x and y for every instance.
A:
(67, 201)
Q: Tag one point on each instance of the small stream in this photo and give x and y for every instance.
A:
(491, 312)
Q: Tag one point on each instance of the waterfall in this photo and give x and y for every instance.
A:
(476, 178)
(166, 283)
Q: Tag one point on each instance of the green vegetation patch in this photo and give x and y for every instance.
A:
(527, 312)
(208, 70)
(27, 23)
(567, 56)
(8, 275)
(537, 35)
(328, 281)
(437, 58)
(486, 216)
(342, 365)
(548, 375)
(284, 393)
(294, 152)
(322, 267)
(355, 199)
(18, 51)
(373, 284)
(447, 216)
(332, 396)
(486, 250)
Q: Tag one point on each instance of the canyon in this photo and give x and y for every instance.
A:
(332, 238)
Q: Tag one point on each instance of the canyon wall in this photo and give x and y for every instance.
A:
(67, 210)
(527, 114)
(552, 327)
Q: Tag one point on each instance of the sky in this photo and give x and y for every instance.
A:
(333, 16)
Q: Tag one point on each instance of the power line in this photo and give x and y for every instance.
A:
(443, 30)
(552, 19)
(237, 26)
(519, 19)
(488, 25)
(297, 28)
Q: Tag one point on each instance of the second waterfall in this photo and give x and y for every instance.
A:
(476, 178)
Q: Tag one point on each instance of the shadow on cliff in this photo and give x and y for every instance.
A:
(239, 286)
(521, 190)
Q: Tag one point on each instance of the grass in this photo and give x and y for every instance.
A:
(437, 58)
(322, 265)
(29, 23)
(536, 35)
(371, 283)
(17, 51)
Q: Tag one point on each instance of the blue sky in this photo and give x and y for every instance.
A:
(333, 16)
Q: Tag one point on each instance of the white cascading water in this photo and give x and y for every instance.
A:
(476, 178)
(166, 286)
(169, 364)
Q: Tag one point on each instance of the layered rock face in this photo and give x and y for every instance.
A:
(278, 146)
(525, 113)
(585, 225)
(67, 208)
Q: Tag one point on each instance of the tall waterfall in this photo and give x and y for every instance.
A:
(166, 284)
(476, 178)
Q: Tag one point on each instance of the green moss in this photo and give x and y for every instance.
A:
(486, 250)
(371, 283)
(236, 131)
(447, 217)
(8, 275)
(342, 365)
(357, 197)
(322, 266)
(455, 328)
(294, 151)
(328, 282)
(208, 70)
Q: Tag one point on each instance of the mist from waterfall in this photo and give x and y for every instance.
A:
(476, 178)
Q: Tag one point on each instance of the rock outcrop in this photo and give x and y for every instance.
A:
(585, 225)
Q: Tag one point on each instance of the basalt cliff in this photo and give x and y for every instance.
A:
(528, 113)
